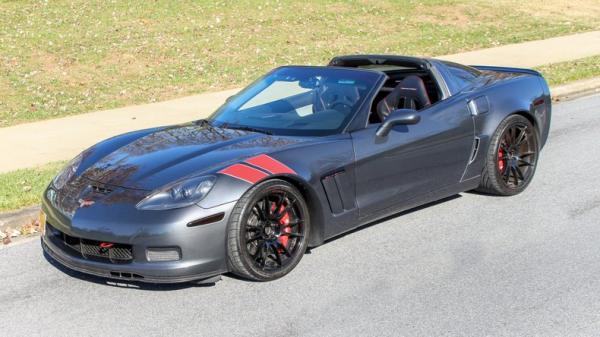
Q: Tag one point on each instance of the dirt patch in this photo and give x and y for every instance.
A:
(452, 15)
(559, 8)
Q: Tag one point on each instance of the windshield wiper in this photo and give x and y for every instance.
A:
(245, 128)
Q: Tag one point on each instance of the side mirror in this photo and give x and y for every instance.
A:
(398, 117)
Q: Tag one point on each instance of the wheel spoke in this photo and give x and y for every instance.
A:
(278, 211)
(507, 138)
(285, 250)
(279, 202)
(506, 174)
(293, 223)
(254, 238)
(292, 235)
(524, 162)
(277, 256)
(514, 174)
(522, 137)
(261, 213)
(513, 135)
(263, 254)
(256, 255)
(519, 173)
(527, 154)
(266, 208)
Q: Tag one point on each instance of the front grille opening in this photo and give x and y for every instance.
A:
(92, 249)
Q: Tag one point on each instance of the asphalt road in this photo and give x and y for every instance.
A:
(471, 265)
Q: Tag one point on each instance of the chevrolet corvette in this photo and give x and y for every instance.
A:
(301, 155)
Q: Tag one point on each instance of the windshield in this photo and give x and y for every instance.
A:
(301, 101)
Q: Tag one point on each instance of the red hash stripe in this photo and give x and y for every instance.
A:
(244, 172)
(270, 164)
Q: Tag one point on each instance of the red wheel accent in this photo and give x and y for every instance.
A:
(501, 161)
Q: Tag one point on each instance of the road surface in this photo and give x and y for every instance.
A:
(471, 265)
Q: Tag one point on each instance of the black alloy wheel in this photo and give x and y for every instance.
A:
(268, 231)
(512, 157)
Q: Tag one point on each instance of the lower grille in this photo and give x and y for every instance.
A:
(91, 249)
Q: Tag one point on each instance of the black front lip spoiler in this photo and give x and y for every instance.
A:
(71, 263)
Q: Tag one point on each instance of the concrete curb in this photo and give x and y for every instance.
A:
(559, 93)
(575, 89)
(16, 219)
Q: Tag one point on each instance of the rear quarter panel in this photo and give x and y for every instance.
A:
(509, 91)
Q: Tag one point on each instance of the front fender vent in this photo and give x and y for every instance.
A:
(475, 149)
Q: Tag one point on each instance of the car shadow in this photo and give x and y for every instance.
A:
(485, 194)
(390, 217)
(180, 286)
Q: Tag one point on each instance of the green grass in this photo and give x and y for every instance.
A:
(61, 58)
(23, 188)
(559, 73)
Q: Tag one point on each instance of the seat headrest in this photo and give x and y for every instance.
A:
(411, 92)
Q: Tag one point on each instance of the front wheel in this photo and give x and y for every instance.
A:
(268, 231)
(511, 159)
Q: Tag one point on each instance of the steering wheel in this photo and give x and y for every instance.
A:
(341, 103)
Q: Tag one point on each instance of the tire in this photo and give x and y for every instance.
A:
(511, 158)
(268, 231)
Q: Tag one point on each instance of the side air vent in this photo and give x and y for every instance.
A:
(475, 149)
(339, 191)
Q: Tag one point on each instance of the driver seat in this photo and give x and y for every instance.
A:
(410, 93)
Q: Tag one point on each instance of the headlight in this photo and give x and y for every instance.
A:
(67, 173)
(180, 194)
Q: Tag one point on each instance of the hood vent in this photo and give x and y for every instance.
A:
(96, 188)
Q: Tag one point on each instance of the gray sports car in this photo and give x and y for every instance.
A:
(300, 156)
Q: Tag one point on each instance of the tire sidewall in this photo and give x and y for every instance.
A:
(238, 224)
(493, 153)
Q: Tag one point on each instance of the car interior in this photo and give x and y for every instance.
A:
(407, 87)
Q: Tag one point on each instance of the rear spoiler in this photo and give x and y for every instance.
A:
(508, 70)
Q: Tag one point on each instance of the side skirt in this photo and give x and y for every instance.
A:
(463, 186)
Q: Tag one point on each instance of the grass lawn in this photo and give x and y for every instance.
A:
(564, 72)
(67, 57)
(24, 187)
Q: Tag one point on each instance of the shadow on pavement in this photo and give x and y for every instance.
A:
(395, 215)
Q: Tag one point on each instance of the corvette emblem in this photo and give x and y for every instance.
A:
(85, 203)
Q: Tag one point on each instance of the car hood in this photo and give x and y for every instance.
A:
(169, 154)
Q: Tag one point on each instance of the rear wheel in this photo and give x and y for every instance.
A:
(268, 231)
(511, 159)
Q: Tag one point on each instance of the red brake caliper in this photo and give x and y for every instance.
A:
(501, 162)
(284, 221)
